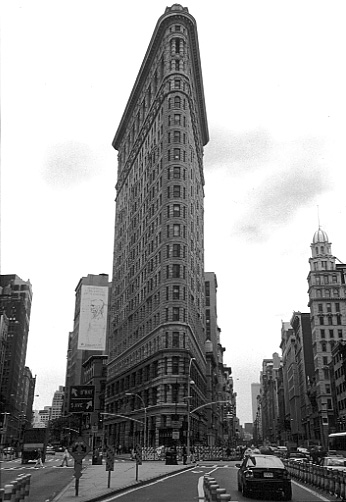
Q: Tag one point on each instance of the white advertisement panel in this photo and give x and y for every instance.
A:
(93, 318)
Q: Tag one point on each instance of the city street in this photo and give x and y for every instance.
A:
(45, 482)
(187, 487)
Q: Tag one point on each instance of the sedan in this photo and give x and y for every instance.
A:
(337, 463)
(50, 450)
(264, 474)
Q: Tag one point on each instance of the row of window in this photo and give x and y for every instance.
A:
(329, 320)
(329, 307)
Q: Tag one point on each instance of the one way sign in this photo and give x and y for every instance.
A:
(82, 398)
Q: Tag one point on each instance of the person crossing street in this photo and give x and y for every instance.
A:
(65, 458)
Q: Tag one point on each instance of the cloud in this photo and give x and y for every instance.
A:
(68, 164)
(285, 188)
(240, 152)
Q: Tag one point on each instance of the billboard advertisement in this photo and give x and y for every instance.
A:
(93, 318)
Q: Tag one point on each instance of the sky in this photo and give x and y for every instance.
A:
(274, 83)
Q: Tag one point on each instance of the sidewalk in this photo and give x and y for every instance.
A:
(93, 485)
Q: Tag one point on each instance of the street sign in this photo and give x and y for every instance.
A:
(82, 398)
(78, 468)
(79, 449)
(138, 454)
(110, 459)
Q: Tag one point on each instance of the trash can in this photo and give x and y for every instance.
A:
(171, 458)
(97, 459)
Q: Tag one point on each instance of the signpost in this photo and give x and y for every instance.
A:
(109, 462)
(79, 449)
(82, 398)
(138, 458)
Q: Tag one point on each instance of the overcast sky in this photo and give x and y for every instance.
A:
(275, 86)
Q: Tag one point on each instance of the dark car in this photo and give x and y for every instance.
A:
(264, 474)
(298, 456)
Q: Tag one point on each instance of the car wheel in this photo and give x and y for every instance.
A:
(288, 493)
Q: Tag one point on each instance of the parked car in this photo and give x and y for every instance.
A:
(8, 450)
(334, 462)
(265, 474)
(58, 448)
(50, 450)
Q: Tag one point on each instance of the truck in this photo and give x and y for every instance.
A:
(33, 440)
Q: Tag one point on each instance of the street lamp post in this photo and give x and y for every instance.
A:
(145, 417)
(188, 411)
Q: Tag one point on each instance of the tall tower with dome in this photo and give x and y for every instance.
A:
(327, 302)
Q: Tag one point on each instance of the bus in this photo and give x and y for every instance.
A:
(337, 443)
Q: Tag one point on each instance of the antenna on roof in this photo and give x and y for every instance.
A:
(318, 217)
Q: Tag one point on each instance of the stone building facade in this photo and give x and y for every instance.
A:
(158, 308)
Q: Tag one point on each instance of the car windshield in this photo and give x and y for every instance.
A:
(264, 461)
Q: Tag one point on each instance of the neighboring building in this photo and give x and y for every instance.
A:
(158, 308)
(15, 304)
(57, 403)
(44, 416)
(3, 343)
(255, 392)
(327, 302)
(270, 382)
(95, 373)
(220, 416)
(90, 329)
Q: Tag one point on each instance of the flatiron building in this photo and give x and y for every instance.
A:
(157, 336)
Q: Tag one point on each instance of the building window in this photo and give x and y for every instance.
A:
(176, 172)
(331, 333)
(329, 307)
(176, 314)
(321, 321)
(323, 334)
(176, 230)
(176, 292)
(176, 250)
(339, 333)
(320, 307)
(176, 210)
(176, 271)
(176, 191)
(176, 136)
(175, 365)
(177, 119)
(177, 85)
(175, 340)
(176, 153)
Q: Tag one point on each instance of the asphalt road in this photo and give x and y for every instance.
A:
(187, 487)
(45, 483)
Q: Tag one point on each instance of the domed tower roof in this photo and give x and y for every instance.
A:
(320, 236)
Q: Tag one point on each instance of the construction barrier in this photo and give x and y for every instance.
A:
(213, 492)
(18, 490)
(329, 480)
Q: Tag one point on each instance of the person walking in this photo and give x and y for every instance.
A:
(39, 459)
(65, 458)
(184, 454)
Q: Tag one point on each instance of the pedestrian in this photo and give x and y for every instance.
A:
(39, 459)
(184, 455)
(65, 458)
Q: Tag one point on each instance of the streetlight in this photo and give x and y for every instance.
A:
(145, 416)
(188, 409)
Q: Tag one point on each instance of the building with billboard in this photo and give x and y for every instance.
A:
(158, 334)
(90, 328)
